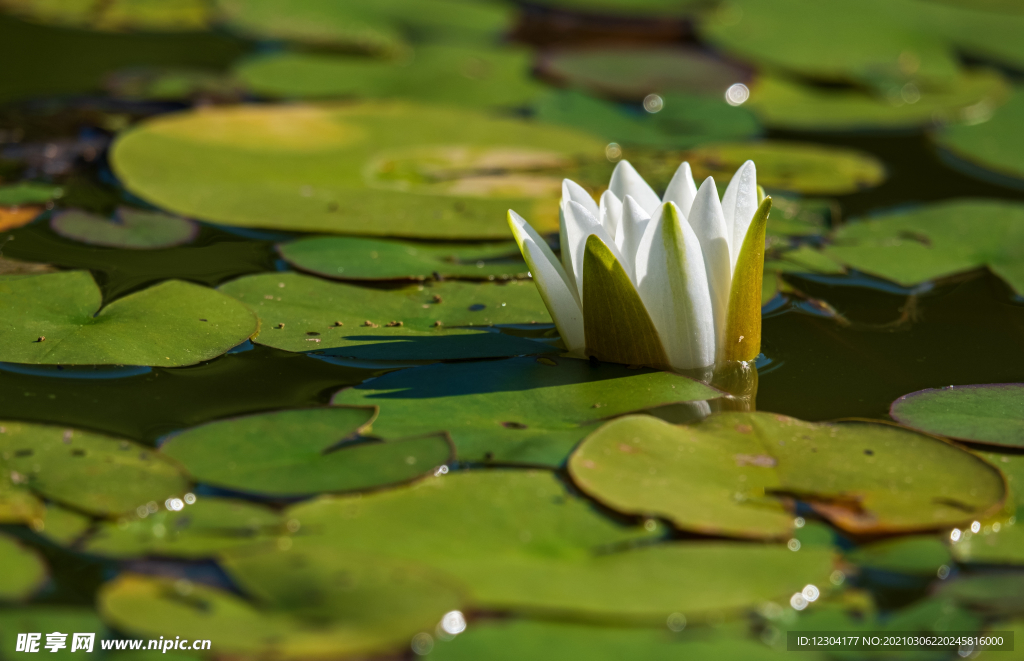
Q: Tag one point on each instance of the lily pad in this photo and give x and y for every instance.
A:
(130, 228)
(45, 619)
(848, 40)
(302, 452)
(61, 525)
(22, 571)
(917, 555)
(792, 166)
(991, 145)
(458, 75)
(998, 541)
(785, 104)
(992, 414)
(935, 241)
(629, 8)
(518, 540)
(56, 319)
(515, 640)
(198, 530)
(28, 192)
(376, 169)
(992, 593)
(522, 410)
(303, 313)
(723, 475)
(378, 27)
(633, 72)
(14, 217)
(86, 471)
(686, 120)
(150, 607)
(117, 15)
(355, 258)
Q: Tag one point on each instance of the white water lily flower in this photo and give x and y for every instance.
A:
(671, 282)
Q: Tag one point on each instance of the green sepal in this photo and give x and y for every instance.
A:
(743, 324)
(617, 326)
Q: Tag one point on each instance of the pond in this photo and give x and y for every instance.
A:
(281, 376)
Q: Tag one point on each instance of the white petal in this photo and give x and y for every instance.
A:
(681, 190)
(627, 181)
(563, 245)
(634, 221)
(674, 287)
(558, 292)
(579, 224)
(708, 223)
(571, 191)
(739, 204)
(611, 212)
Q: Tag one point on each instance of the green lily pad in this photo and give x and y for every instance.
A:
(992, 593)
(45, 619)
(522, 410)
(991, 144)
(918, 555)
(992, 414)
(302, 313)
(936, 241)
(999, 541)
(633, 72)
(56, 319)
(198, 530)
(792, 166)
(848, 40)
(152, 607)
(86, 471)
(301, 452)
(22, 571)
(27, 192)
(458, 75)
(378, 27)
(376, 169)
(61, 525)
(722, 476)
(785, 104)
(117, 15)
(355, 258)
(130, 228)
(173, 84)
(518, 540)
(800, 217)
(686, 120)
(515, 640)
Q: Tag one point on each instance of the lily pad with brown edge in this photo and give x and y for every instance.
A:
(792, 166)
(22, 570)
(990, 146)
(727, 474)
(992, 413)
(1000, 539)
(14, 217)
(463, 76)
(521, 410)
(514, 640)
(372, 169)
(57, 319)
(358, 258)
(520, 541)
(86, 471)
(129, 228)
(785, 104)
(634, 71)
(377, 607)
(919, 555)
(302, 452)
(433, 321)
(200, 529)
(936, 241)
